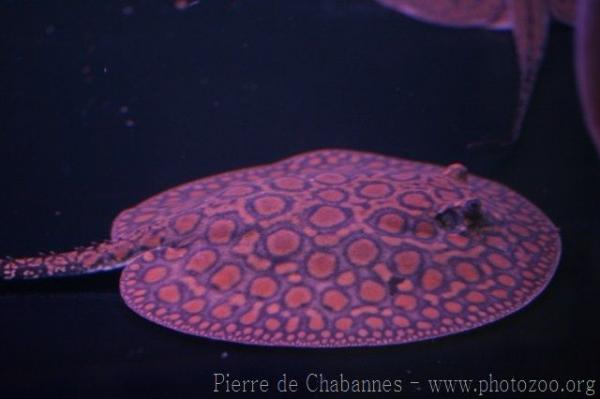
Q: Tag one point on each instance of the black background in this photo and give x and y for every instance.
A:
(228, 84)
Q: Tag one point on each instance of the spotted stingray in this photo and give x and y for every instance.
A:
(527, 19)
(329, 248)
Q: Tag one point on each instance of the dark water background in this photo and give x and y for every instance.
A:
(104, 103)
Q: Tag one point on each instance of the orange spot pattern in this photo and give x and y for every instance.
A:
(330, 248)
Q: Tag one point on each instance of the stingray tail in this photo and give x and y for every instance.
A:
(90, 259)
(531, 19)
(530, 28)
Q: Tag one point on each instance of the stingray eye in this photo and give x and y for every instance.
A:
(457, 172)
(448, 218)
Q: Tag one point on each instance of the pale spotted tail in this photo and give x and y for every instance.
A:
(94, 258)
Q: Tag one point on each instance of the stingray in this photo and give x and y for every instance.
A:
(527, 19)
(330, 248)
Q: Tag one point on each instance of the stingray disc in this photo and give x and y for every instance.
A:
(337, 248)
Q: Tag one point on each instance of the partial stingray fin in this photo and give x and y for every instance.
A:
(490, 14)
(587, 57)
(94, 258)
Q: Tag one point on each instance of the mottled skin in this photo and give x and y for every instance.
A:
(331, 248)
(527, 19)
